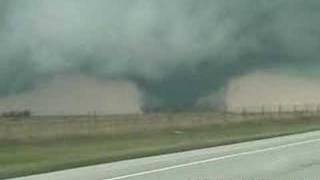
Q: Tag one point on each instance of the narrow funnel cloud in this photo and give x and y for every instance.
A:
(175, 51)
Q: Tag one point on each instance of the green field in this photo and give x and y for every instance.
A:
(46, 144)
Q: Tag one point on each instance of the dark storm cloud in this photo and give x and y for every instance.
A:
(175, 50)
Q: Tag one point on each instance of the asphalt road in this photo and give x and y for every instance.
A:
(290, 157)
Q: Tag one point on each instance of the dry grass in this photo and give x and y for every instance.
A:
(44, 144)
(46, 128)
(59, 127)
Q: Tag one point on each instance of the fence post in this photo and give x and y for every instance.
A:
(244, 111)
(263, 110)
(225, 111)
(280, 109)
(306, 109)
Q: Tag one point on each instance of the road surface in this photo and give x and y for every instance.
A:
(289, 157)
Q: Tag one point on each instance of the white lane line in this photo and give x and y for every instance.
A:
(215, 159)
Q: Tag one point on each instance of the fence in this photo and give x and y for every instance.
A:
(275, 109)
(93, 124)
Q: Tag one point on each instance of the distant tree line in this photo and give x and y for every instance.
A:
(16, 114)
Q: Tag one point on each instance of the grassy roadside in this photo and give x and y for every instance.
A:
(25, 158)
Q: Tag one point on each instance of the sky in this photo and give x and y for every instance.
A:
(175, 51)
